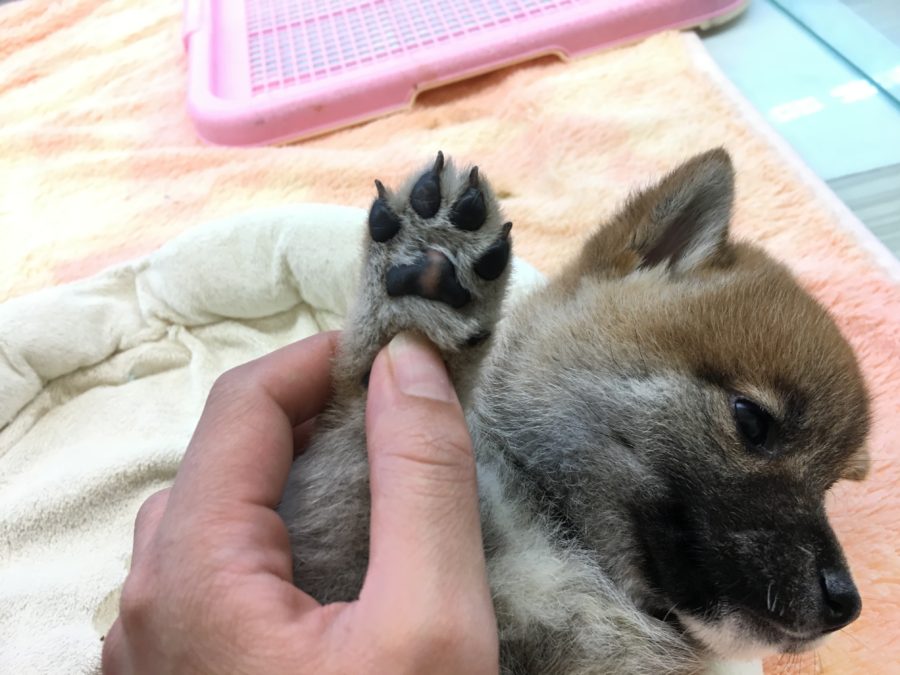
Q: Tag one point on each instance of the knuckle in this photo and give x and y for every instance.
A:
(467, 635)
(440, 646)
(153, 505)
(431, 442)
(451, 443)
(137, 600)
(230, 382)
(111, 654)
(444, 641)
(233, 391)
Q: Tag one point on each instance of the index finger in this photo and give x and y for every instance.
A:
(243, 446)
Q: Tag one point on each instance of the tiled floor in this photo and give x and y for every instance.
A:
(843, 120)
(874, 196)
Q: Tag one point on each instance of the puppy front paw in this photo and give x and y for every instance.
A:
(437, 262)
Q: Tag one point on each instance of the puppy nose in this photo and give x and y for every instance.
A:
(842, 601)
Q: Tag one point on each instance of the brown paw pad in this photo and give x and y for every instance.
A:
(432, 277)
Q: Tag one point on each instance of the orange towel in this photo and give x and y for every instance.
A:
(99, 163)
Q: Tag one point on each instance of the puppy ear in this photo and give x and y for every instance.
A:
(682, 222)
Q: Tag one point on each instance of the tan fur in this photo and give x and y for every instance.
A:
(698, 324)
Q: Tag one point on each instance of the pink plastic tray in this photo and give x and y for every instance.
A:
(271, 71)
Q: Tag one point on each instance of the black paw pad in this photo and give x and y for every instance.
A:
(469, 211)
(491, 265)
(432, 277)
(425, 197)
(478, 338)
(383, 223)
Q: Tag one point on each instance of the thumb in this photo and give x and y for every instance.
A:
(426, 552)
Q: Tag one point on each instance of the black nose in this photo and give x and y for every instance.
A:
(842, 601)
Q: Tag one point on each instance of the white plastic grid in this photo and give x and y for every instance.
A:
(294, 41)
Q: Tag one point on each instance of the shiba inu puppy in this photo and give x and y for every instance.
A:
(655, 429)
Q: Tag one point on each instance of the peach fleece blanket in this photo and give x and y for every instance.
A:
(99, 163)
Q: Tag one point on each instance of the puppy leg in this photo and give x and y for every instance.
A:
(436, 262)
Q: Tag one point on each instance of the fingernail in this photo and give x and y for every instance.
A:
(418, 370)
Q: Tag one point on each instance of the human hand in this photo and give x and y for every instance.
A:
(210, 588)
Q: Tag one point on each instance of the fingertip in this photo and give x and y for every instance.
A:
(409, 372)
(418, 368)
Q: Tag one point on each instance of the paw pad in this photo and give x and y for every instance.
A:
(432, 274)
(425, 198)
(478, 338)
(494, 261)
(383, 223)
(432, 277)
(469, 211)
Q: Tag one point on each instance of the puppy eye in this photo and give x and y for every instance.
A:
(753, 422)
